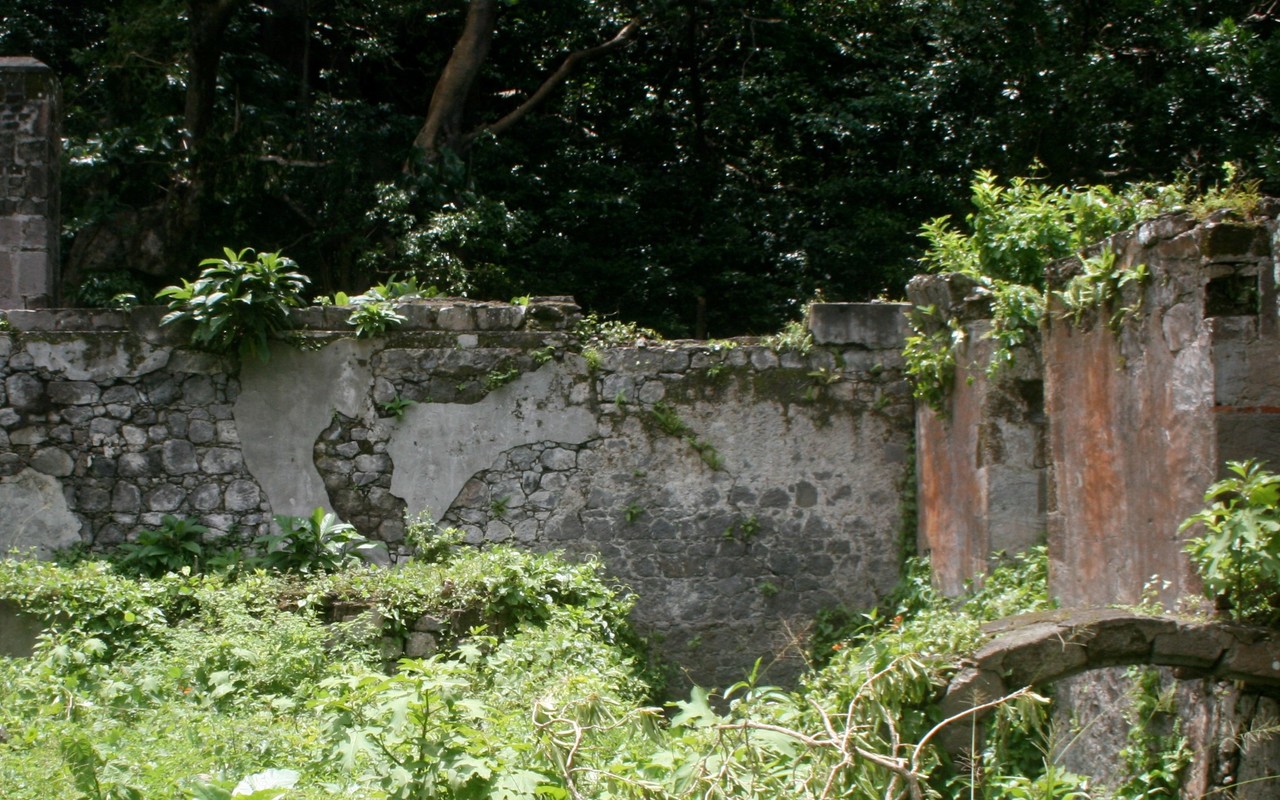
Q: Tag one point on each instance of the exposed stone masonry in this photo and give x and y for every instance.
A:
(714, 479)
(29, 166)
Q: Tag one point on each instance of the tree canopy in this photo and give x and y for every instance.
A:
(701, 166)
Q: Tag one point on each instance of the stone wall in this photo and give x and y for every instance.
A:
(1226, 729)
(29, 168)
(1143, 414)
(980, 459)
(737, 490)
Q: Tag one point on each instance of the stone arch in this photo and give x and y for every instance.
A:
(1039, 649)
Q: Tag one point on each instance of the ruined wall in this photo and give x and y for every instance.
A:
(1142, 414)
(1225, 725)
(29, 166)
(980, 460)
(736, 489)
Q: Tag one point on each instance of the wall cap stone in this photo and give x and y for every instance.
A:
(874, 326)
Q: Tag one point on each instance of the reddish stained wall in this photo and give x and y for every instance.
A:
(1134, 435)
(979, 463)
(952, 519)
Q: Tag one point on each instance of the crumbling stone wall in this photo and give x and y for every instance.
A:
(1143, 414)
(29, 167)
(981, 459)
(1227, 728)
(736, 489)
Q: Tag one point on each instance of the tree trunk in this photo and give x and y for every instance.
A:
(443, 126)
(207, 21)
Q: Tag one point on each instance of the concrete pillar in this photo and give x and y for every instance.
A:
(980, 460)
(1142, 416)
(30, 153)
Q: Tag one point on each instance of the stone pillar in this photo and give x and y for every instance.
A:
(1142, 416)
(30, 152)
(980, 460)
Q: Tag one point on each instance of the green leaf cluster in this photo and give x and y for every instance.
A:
(1238, 553)
(237, 304)
(1013, 233)
(318, 543)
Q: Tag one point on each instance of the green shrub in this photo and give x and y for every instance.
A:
(319, 543)
(176, 544)
(595, 332)
(118, 289)
(237, 304)
(1238, 556)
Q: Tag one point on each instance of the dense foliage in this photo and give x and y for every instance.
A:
(190, 686)
(1014, 231)
(1238, 552)
(719, 167)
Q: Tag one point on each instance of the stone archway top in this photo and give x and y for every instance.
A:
(1040, 648)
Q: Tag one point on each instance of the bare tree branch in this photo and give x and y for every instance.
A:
(556, 78)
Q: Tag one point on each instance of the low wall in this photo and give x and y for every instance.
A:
(736, 489)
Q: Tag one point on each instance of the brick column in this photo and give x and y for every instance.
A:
(30, 152)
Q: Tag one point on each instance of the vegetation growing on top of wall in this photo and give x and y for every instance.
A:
(238, 302)
(1013, 232)
(1018, 228)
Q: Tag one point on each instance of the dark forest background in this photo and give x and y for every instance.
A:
(651, 157)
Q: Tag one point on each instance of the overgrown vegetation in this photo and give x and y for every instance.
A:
(1013, 233)
(1238, 553)
(669, 421)
(187, 685)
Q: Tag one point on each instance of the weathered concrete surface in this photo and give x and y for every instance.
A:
(876, 326)
(1142, 419)
(30, 158)
(437, 447)
(285, 403)
(721, 482)
(980, 462)
(36, 518)
(18, 632)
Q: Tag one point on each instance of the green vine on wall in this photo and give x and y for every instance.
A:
(1099, 285)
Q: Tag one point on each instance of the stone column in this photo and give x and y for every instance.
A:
(30, 152)
(1143, 414)
(981, 459)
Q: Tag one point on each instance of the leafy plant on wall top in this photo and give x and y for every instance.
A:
(374, 312)
(237, 303)
(1015, 230)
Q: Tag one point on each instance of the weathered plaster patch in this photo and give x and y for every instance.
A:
(36, 515)
(437, 447)
(99, 358)
(285, 403)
